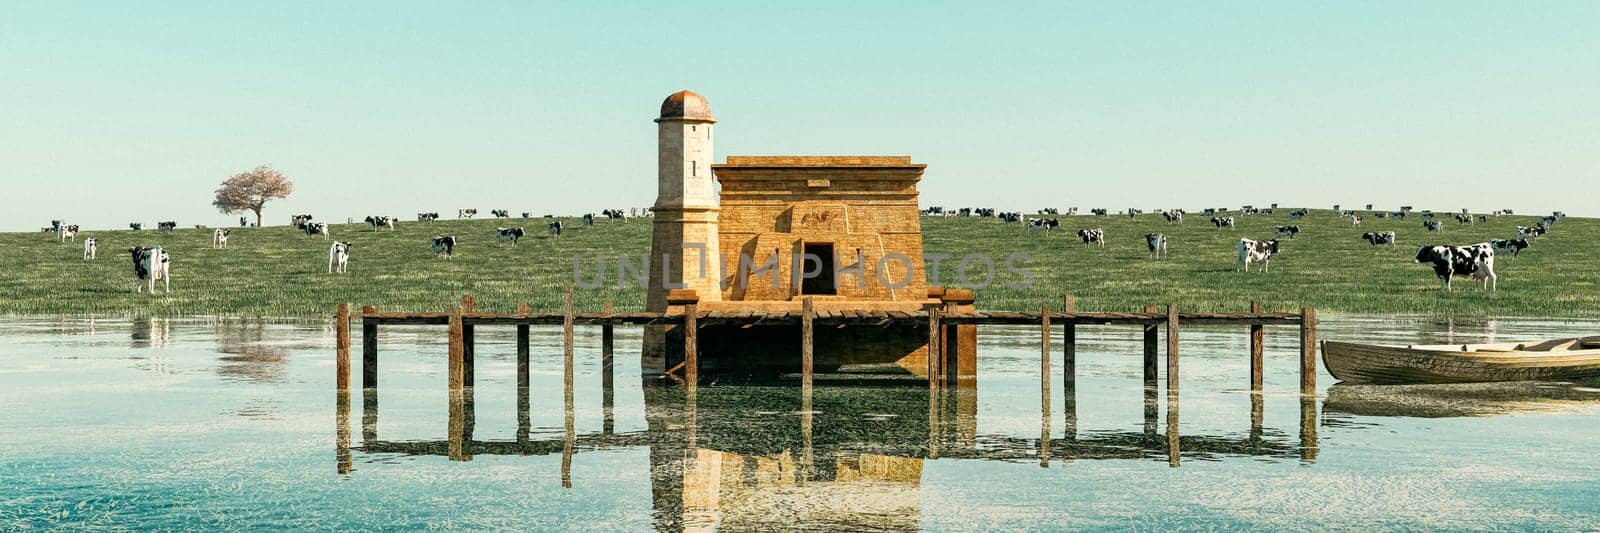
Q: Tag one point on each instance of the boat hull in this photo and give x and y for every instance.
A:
(1362, 363)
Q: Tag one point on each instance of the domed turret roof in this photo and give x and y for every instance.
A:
(686, 105)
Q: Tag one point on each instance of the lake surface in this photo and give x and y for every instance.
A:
(235, 424)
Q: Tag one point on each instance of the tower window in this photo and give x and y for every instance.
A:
(694, 168)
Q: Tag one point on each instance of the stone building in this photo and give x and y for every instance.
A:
(842, 230)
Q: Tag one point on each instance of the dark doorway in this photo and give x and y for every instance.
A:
(824, 282)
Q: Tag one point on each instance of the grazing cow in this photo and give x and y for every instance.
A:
(1256, 251)
(1010, 217)
(555, 228)
(1380, 237)
(1405, 209)
(1093, 236)
(167, 226)
(219, 238)
(1433, 225)
(1530, 233)
(508, 234)
(634, 211)
(1508, 246)
(500, 213)
(67, 233)
(1559, 214)
(89, 248)
(588, 219)
(615, 214)
(1398, 215)
(1474, 260)
(1336, 207)
(427, 217)
(1221, 222)
(317, 228)
(381, 222)
(1285, 231)
(243, 222)
(1463, 219)
(1157, 243)
(149, 265)
(1483, 218)
(466, 213)
(1427, 214)
(1547, 221)
(338, 257)
(444, 245)
(527, 214)
(986, 212)
(1381, 214)
(1174, 215)
(1298, 214)
(1355, 221)
(135, 226)
(1099, 212)
(1042, 223)
(299, 221)
(1369, 207)
(1134, 212)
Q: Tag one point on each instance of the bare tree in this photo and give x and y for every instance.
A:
(250, 191)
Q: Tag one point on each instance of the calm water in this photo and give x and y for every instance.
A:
(180, 424)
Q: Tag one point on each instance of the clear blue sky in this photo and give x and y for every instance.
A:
(113, 112)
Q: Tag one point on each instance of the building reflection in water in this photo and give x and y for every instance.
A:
(755, 457)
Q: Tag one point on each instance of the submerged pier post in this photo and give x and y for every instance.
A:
(1044, 385)
(807, 315)
(1151, 350)
(1308, 428)
(1257, 349)
(1172, 349)
(369, 347)
(522, 349)
(468, 349)
(607, 389)
(341, 349)
(1308, 350)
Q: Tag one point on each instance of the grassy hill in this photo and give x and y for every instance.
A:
(278, 271)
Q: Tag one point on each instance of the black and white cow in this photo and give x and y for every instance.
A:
(614, 214)
(527, 214)
(444, 245)
(1093, 236)
(1483, 218)
(317, 228)
(1174, 215)
(379, 221)
(1508, 246)
(1010, 216)
(219, 238)
(1098, 211)
(338, 257)
(1355, 221)
(466, 213)
(243, 222)
(149, 265)
(508, 234)
(135, 226)
(1474, 260)
(89, 248)
(588, 219)
(66, 233)
(1298, 214)
(1463, 219)
(1156, 243)
(1379, 237)
(555, 228)
(1524, 232)
(1222, 222)
(167, 226)
(1285, 231)
(1433, 225)
(1256, 251)
(427, 217)
(1045, 224)
(299, 221)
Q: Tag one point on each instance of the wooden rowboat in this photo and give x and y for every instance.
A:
(1551, 360)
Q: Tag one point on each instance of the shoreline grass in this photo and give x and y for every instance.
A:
(280, 272)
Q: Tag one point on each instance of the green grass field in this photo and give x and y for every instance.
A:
(280, 272)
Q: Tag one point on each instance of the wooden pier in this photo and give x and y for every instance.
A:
(462, 322)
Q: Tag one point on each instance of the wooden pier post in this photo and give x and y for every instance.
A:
(369, 348)
(468, 343)
(691, 345)
(369, 415)
(456, 367)
(935, 349)
(1173, 445)
(1308, 350)
(1172, 349)
(1308, 428)
(1069, 345)
(807, 361)
(566, 341)
(1151, 349)
(1044, 386)
(522, 348)
(341, 428)
(1257, 349)
(341, 350)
